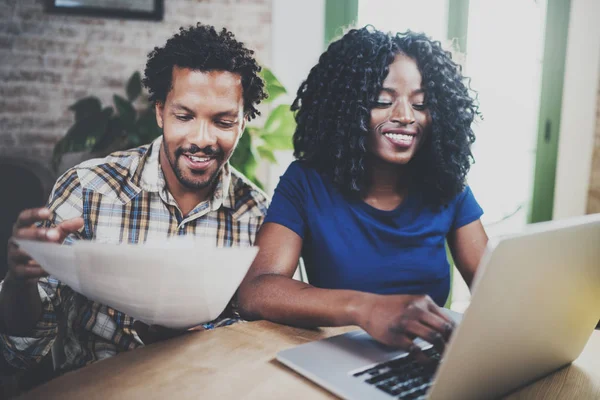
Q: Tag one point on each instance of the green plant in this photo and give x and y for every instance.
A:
(260, 143)
(102, 130)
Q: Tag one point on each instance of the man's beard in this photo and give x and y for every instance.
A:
(191, 183)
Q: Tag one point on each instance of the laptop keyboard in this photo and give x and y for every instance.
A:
(403, 378)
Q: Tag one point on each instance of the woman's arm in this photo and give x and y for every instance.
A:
(269, 292)
(467, 245)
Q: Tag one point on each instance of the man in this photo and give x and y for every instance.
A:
(205, 86)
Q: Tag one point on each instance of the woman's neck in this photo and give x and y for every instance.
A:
(388, 185)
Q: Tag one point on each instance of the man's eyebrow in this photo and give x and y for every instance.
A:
(178, 106)
(228, 113)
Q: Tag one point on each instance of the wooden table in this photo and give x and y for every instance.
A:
(239, 362)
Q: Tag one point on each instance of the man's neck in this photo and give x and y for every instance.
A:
(187, 199)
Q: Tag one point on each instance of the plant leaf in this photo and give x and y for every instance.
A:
(277, 142)
(126, 112)
(134, 86)
(266, 154)
(242, 152)
(245, 157)
(146, 127)
(272, 85)
(85, 107)
(280, 122)
(113, 139)
(279, 129)
(57, 154)
(84, 134)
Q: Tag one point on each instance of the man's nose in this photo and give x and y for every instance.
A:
(203, 136)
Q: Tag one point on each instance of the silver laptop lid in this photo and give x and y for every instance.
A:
(535, 302)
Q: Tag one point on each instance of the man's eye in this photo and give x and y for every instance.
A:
(183, 117)
(226, 124)
(419, 107)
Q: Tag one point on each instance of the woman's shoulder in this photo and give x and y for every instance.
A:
(302, 170)
(465, 194)
(300, 176)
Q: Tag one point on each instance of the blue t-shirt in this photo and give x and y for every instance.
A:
(347, 244)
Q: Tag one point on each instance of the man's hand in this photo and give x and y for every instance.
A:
(22, 270)
(156, 333)
(395, 320)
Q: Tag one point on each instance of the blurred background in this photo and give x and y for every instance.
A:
(69, 89)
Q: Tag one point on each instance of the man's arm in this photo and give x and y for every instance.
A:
(28, 303)
(20, 302)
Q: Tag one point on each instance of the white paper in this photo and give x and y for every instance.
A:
(178, 283)
(60, 264)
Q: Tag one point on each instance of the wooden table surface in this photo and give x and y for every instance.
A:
(239, 362)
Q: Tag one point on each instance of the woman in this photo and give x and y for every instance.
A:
(383, 146)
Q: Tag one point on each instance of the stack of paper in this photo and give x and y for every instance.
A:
(178, 284)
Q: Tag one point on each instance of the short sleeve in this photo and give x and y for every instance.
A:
(288, 207)
(467, 209)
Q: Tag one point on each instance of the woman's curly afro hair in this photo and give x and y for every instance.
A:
(333, 111)
(202, 48)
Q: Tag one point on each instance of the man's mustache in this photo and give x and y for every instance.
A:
(193, 149)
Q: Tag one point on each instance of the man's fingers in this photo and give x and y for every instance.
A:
(30, 271)
(56, 235)
(31, 233)
(30, 216)
(18, 256)
(69, 226)
(25, 273)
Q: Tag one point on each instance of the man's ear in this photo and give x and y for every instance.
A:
(244, 123)
(159, 108)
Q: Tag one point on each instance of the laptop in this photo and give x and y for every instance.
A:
(535, 303)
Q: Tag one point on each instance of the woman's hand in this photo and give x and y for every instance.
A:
(395, 320)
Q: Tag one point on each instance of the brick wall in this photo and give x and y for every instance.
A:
(594, 191)
(48, 61)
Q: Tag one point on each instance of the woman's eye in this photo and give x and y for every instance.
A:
(419, 107)
(383, 103)
(183, 117)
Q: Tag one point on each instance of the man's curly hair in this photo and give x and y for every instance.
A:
(333, 112)
(202, 48)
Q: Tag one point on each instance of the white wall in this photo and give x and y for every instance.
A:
(578, 119)
(298, 31)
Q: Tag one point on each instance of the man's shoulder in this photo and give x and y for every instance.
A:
(247, 195)
(114, 174)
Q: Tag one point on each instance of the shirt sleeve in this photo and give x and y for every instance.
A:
(23, 352)
(288, 207)
(467, 209)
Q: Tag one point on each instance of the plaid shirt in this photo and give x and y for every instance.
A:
(123, 199)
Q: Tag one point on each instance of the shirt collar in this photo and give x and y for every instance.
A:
(152, 179)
